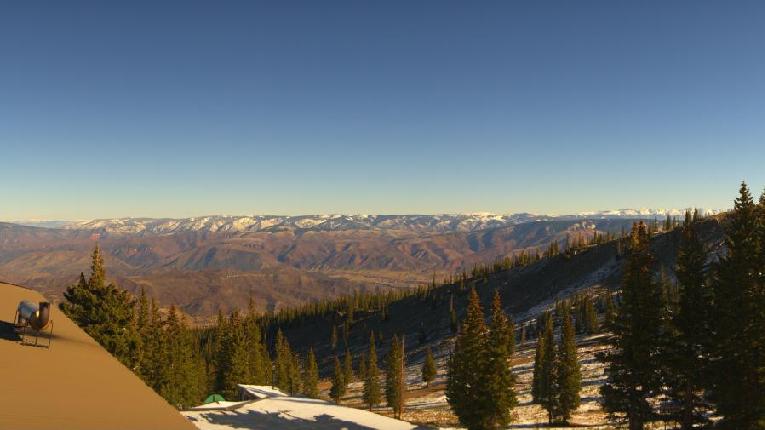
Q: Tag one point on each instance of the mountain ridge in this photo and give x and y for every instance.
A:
(423, 223)
(204, 270)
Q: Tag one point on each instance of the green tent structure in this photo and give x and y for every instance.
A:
(212, 398)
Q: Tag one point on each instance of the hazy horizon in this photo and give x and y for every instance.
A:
(602, 212)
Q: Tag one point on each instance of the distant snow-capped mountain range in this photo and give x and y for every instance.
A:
(271, 223)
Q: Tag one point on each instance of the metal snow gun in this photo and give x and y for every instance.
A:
(33, 320)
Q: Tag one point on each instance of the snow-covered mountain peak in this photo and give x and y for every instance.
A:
(335, 222)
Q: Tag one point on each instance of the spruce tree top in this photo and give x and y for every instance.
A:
(97, 270)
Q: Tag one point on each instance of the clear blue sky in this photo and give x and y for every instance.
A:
(187, 108)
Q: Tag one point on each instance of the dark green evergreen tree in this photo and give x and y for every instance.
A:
(372, 395)
(633, 366)
(348, 367)
(333, 337)
(738, 359)
(609, 313)
(170, 389)
(143, 332)
(453, 323)
(234, 367)
(215, 351)
(394, 377)
(183, 387)
(283, 363)
(296, 375)
(97, 268)
(688, 352)
(547, 394)
(591, 325)
(156, 368)
(465, 386)
(428, 367)
(104, 311)
(537, 386)
(362, 367)
(567, 372)
(337, 391)
(311, 379)
(259, 363)
(499, 396)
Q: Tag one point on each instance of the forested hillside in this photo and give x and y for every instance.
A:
(241, 346)
(201, 271)
(675, 304)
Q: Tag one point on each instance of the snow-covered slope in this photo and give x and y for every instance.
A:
(284, 412)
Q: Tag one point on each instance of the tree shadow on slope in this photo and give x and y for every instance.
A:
(255, 420)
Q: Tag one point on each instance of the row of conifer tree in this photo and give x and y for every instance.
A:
(689, 353)
(693, 353)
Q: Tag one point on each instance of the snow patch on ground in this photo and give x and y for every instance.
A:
(275, 410)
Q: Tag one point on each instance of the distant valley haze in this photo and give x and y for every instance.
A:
(469, 220)
(203, 264)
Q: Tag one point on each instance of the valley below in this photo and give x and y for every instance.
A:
(220, 263)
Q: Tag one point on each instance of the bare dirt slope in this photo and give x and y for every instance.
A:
(73, 385)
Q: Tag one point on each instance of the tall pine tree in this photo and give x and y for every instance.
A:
(567, 372)
(536, 382)
(633, 369)
(590, 316)
(337, 391)
(259, 363)
(739, 313)
(499, 396)
(371, 394)
(311, 379)
(143, 332)
(394, 377)
(547, 392)
(609, 313)
(688, 353)
(104, 311)
(463, 388)
(362, 369)
(234, 365)
(283, 362)
(348, 366)
(428, 367)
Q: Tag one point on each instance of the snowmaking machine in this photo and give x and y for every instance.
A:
(33, 321)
